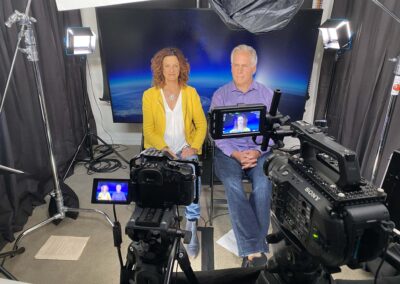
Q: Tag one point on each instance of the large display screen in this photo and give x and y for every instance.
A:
(131, 36)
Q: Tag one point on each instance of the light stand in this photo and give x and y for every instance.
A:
(329, 98)
(88, 137)
(336, 35)
(30, 50)
(388, 118)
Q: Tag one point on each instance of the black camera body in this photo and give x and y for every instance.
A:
(322, 203)
(157, 181)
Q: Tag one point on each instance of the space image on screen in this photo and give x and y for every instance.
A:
(129, 37)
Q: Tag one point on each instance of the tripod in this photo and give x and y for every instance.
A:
(88, 137)
(155, 247)
(27, 33)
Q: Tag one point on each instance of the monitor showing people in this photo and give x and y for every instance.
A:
(241, 122)
(110, 191)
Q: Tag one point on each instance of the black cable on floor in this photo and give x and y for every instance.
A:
(103, 166)
(204, 221)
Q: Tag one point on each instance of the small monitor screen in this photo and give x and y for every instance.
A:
(241, 122)
(110, 191)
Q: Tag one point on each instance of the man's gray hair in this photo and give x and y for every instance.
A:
(246, 48)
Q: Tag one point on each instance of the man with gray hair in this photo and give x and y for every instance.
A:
(238, 157)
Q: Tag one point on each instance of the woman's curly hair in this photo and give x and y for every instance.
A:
(157, 67)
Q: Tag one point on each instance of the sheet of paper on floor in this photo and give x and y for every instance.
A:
(62, 248)
(228, 241)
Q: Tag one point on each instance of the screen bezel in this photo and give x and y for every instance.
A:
(96, 184)
(217, 124)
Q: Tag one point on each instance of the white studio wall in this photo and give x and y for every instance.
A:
(117, 133)
(63, 5)
(319, 52)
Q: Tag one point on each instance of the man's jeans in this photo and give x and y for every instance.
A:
(192, 211)
(249, 217)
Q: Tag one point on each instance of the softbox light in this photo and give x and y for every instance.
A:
(256, 16)
(336, 34)
(80, 41)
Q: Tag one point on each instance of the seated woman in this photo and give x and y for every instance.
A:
(240, 124)
(104, 194)
(173, 119)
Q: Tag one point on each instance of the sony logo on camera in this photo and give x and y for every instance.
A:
(312, 193)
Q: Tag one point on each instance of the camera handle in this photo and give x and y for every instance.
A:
(313, 140)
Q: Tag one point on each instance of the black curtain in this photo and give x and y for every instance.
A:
(22, 138)
(362, 82)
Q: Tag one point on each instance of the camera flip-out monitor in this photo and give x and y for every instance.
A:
(111, 191)
(237, 121)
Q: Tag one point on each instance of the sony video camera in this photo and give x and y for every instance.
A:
(324, 210)
(323, 204)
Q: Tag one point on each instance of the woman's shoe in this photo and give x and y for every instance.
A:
(193, 247)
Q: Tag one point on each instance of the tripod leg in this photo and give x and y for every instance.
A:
(6, 273)
(115, 152)
(184, 263)
(75, 155)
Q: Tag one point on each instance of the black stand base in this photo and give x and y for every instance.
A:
(3, 255)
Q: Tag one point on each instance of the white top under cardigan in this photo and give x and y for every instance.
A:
(174, 129)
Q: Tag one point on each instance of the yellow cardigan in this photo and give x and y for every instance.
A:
(154, 118)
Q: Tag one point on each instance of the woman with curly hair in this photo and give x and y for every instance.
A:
(174, 121)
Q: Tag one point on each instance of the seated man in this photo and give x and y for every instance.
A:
(238, 156)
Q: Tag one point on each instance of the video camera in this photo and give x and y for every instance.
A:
(325, 211)
(157, 184)
(156, 181)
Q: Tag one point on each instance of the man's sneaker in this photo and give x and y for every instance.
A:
(255, 262)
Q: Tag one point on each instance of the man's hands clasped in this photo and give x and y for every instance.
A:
(247, 158)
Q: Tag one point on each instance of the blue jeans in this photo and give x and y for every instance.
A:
(193, 210)
(249, 217)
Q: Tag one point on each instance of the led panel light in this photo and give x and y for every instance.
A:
(336, 34)
(80, 41)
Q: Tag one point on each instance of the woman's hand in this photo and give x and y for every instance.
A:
(188, 151)
(169, 152)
